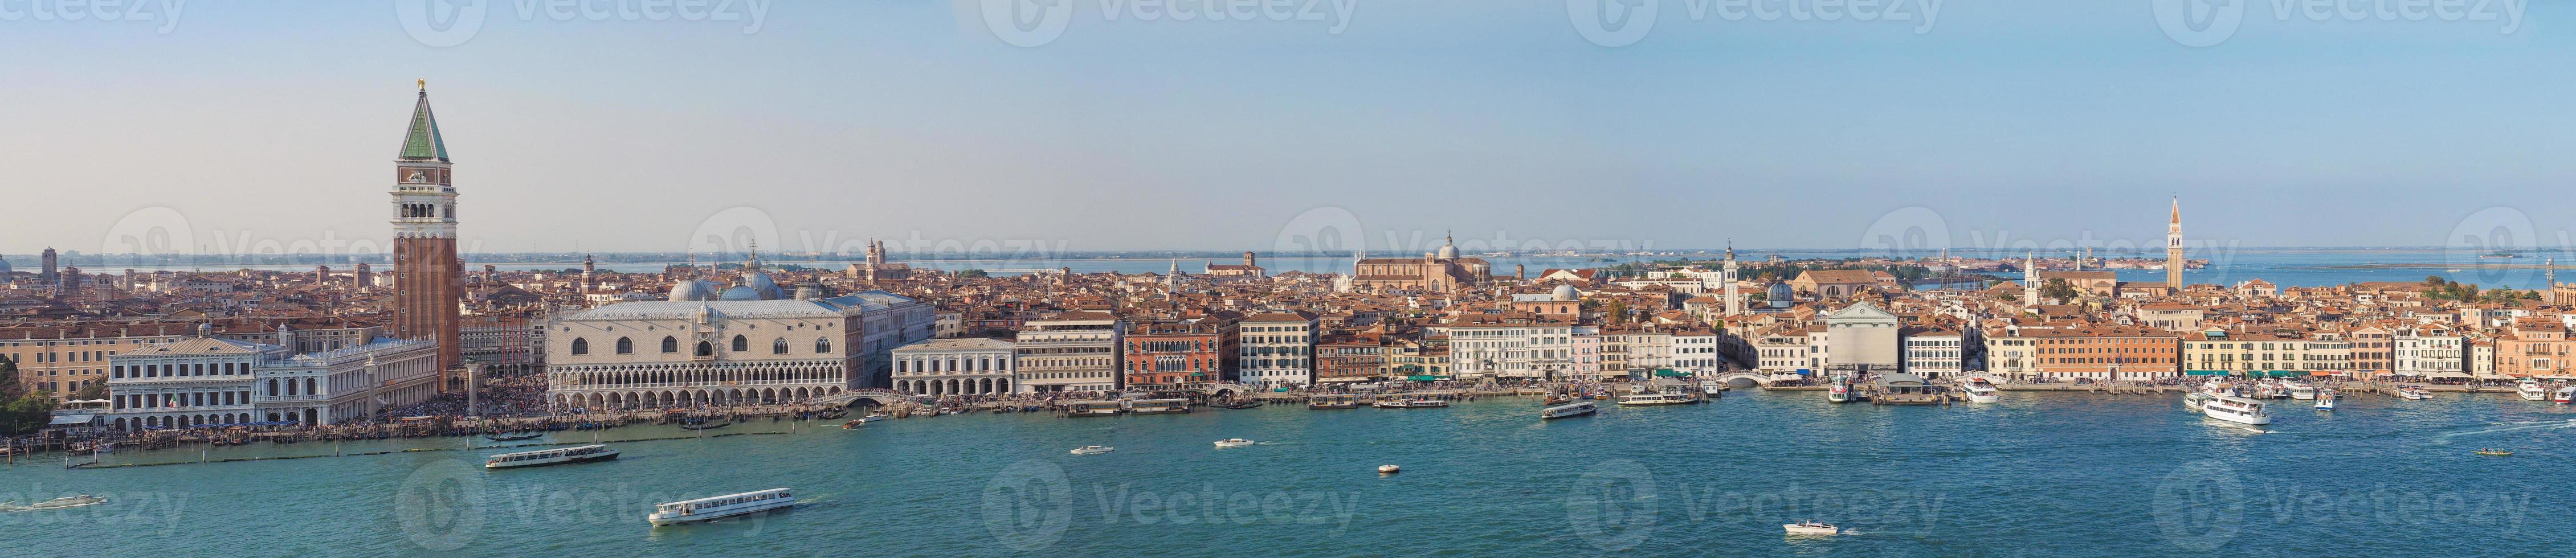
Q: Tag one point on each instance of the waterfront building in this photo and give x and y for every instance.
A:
(1863, 336)
(943, 367)
(206, 380)
(1517, 347)
(1278, 349)
(60, 359)
(1350, 358)
(1419, 362)
(665, 353)
(1178, 355)
(427, 284)
(2374, 350)
(2431, 351)
(507, 346)
(2534, 347)
(1697, 351)
(1074, 351)
(1441, 271)
(2087, 351)
(1934, 352)
(1789, 348)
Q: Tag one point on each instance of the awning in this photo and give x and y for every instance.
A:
(2281, 373)
(60, 420)
(2204, 372)
(1426, 378)
(1671, 373)
(2322, 373)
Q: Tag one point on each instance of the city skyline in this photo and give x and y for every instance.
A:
(621, 146)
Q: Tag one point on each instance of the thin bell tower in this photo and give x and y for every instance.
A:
(428, 278)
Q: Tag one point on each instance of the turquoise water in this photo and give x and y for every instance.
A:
(2038, 474)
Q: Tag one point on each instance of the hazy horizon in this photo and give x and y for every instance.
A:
(813, 127)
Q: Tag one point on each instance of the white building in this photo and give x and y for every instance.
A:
(1697, 352)
(668, 353)
(1862, 337)
(940, 367)
(1075, 351)
(1511, 347)
(2430, 351)
(1935, 353)
(207, 381)
(1278, 350)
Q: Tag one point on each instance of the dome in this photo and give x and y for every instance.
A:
(760, 284)
(808, 292)
(1448, 251)
(739, 292)
(1567, 292)
(1780, 295)
(690, 289)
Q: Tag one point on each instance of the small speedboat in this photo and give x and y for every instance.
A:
(69, 502)
(2303, 391)
(1093, 450)
(1981, 391)
(2412, 393)
(1811, 528)
(2326, 401)
(873, 417)
(853, 425)
(1388, 469)
(2493, 452)
(1233, 443)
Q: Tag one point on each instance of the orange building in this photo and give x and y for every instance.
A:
(1163, 356)
(2534, 346)
(2126, 353)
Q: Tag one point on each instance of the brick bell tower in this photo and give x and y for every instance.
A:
(428, 279)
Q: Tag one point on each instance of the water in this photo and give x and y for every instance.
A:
(2038, 474)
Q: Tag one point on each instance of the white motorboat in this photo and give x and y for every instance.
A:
(2218, 388)
(1233, 443)
(2237, 409)
(729, 505)
(1712, 389)
(60, 503)
(558, 456)
(873, 417)
(1643, 399)
(2565, 395)
(2532, 390)
(1568, 410)
(2196, 400)
(2303, 392)
(1839, 393)
(1811, 528)
(2326, 401)
(1981, 391)
(1389, 469)
(2412, 393)
(1093, 450)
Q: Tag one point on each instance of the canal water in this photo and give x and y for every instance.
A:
(2039, 474)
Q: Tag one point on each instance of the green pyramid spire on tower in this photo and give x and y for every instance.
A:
(422, 141)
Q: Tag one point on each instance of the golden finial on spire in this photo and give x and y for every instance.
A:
(423, 83)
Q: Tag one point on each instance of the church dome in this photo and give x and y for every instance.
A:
(1448, 251)
(1567, 293)
(808, 292)
(739, 292)
(760, 284)
(690, 289)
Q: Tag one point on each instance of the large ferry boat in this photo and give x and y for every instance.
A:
(1094, 409)
(1641, 399)
(1416, 403)
(1568, 411)
(557, 456)
(1981, 391)
(718, 507)
(1158, 406)
(2236, 409)
(2532, 390)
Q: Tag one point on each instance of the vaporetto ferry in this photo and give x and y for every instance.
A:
(729, 505)
(557, 456)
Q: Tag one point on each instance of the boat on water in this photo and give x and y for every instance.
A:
(1333, 402)
(2532, 390)
(729, 505)
(1093, 450)
(2493, 452)
(523, 437)
(56, 504)
(2237, 410)
(1555, 400)
(1839, 393)
(2219, 388)
(1090, 409)
(1646, 399)
(2303, 392)
(2326, 401)
(2412, 393)
(1158, 406)
(1568, 411)
(707, 426)
(2196, 400)
(557, 456)
(1388, 469)
(1233, 443)
(2565, 395)
(1811, 528)
(1415, 403)
(873, 417)
(1981, 391)
(853, 424)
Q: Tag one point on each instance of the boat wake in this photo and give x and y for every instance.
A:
(2446, 438)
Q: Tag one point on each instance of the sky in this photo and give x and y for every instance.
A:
(1082, 125)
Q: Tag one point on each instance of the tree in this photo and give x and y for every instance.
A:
(2008, 297)
(2434, 280)
(971, 274)
(2057, 288)
(91, 392)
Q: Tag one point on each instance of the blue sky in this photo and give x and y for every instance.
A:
(274, 122)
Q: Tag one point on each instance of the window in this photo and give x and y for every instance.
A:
(778, 347)
(580, 346)
(625, 345)
(706, 349)
(741, 343)
(670, 344)
(822, 344)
